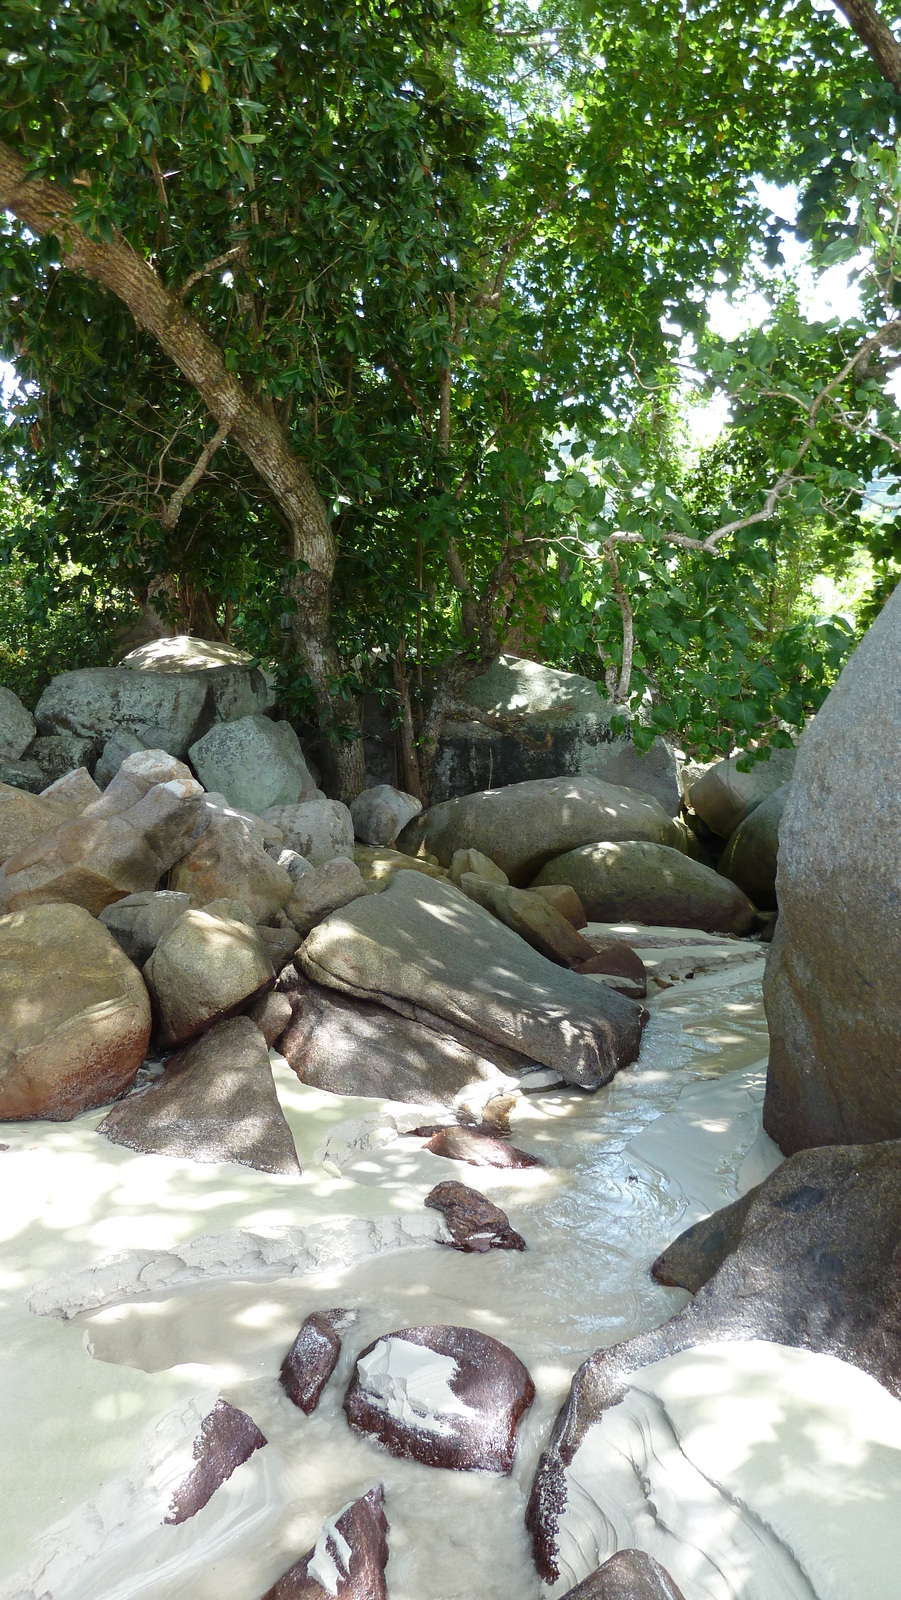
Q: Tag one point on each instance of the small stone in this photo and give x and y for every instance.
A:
(478, 1149)
(228, 1438)
(348, 1560)
(476, 1224)
(311, 1359)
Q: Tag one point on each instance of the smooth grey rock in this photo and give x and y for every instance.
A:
(17, 726)
(831, 992)
(722, 797)
(380, 813)
(138, 922)
(60, 753)
(358, 1047)
(114, 752)
(166, 710)
(255, 763)
(22, 774)
(421, 948)
(324, 890)
(230, 863)
(203, 970)
(74, 1014)
(750, 858)
(216, 1101)
(183, 653)
(527, 824)
(561, 728)
(633, 881)
(317, 829)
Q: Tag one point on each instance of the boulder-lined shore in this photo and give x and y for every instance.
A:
(201, 954)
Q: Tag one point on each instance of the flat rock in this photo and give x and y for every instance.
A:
(254, 762)
(318, 829)
(183, 653)
(17, 726)
(166, 710)
(808, 1259)
(381, 812)
(831, 994)
(527, 824)
(629, 1575)
(478, 1149)
(348, 1560)
(138, 922)
(74, 1014)
(751, 855)
(421, 948)
(216, 1101)
(618, 964)
(230, 862)
(228, 1438)
(311, 1359)
(476, 1224)
(651, 883)
(378, 864)
(203, 970)
(357, 1047)
(723, 796)
(445, 1396)
(325, 889)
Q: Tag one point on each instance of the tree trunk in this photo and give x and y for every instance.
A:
(876, 34)
(45, 208)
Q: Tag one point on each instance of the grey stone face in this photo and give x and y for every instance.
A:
(723, 797)
(17, 727)
(318, 829)
(254, 762)
(750, 857)
(203, 970)
(380, 813)
(138, 922)
(60, 753)
(166, 710)
(324, 890)
(115, 751)
(566, 724)
(831, 991)
(633, 881)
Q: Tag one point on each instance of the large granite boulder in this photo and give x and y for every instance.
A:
(254, 762)
(168, 710)
(74, 1014)
(525, 825)
(348, 1560)
(230, 863)
(831, 994)
(216, 1101)
(808, 1259)
(203, 970)
(539, 722)
(448, 1397)
(59, 753)
(148, 817)
(723, 796)
(355, 1047)
(750, 858)
(629, 1575)
(318, 829)
(17, 726)
(423, 949)
(228, 1437)
(650, 883)
(322, 890)
(25, 817)
(380, 813)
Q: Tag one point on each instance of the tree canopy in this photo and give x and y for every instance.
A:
(359, 335)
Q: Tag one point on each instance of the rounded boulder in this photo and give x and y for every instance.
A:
(634, 881)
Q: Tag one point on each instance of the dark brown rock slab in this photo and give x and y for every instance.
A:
(228, 1437)
(348, 1560)
(271, 1014)
(446, 1396)
(479, 1149)
(216, 1101)
(312, 1359)
(476, 1224)
(629, 1575)
(809, 1259)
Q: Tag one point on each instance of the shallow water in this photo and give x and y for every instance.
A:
(626, 1170)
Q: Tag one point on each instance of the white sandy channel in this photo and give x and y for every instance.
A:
(185, 1281)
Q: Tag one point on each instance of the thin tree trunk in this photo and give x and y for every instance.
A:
(46, 209)
(875, 33)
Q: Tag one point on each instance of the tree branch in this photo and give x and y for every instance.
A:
(173, 510)
(875, 33)
(211, 266)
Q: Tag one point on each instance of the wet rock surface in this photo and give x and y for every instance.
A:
(312, 1359)
(808, 1259)
(74, 1014)
(228, 1438)
(629, 1575)
(479, 1149)
(476, 1224)
(348, 1560)
(216, 1101)
(445, 1396)
(422, 948)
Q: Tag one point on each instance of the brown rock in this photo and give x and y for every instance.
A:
(808, 1259)
(564, 899)
(203, 970)
(228, 1437)
(629, 1575)
(352, 1550)
(311, 1359)
(531, 916)
(473, 861)
(271, 1014)
(446, 1366)
(74, 1014)
(229, 862)
(76, 790)
(26, 817)
(378, 864)
(619, 964)
(478, 1149)
(216, 1101)
(475, 1224)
